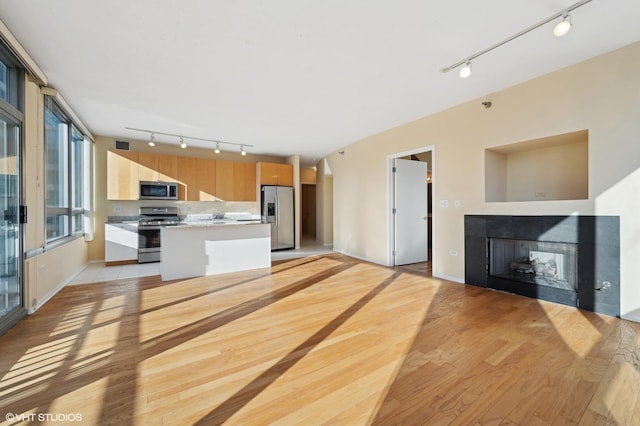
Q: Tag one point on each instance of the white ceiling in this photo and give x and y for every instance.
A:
(294, 76)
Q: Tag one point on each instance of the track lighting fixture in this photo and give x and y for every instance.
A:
(466, 70)
(561, 29)
(183, 144)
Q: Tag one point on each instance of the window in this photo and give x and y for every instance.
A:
(11, 84)
(4, 79)
(67, 169)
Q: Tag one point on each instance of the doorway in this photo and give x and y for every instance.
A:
(309, 210)
(411, 220)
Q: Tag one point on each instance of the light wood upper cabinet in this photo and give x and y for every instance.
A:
(148, 166)
(276, 174)
(199, 179)
(168, 168)
(285, 174)
(122, 175)
(206, 179)
(244, 181)
(187, 183)
(225, 180)
(268, 173)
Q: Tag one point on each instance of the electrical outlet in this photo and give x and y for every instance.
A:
(540, 194)
(453, 252)
(444, 204)
(182, 209)
(117, 209)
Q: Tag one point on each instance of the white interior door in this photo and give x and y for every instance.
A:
(411, 206)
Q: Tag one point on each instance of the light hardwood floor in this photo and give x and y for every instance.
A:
(318, 340)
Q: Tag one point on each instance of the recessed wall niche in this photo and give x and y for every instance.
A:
(551, 168)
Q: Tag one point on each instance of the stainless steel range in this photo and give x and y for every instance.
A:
(152, 219)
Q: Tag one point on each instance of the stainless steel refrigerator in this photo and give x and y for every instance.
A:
(277, 209)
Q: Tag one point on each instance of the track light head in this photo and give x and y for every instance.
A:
(217, 150)
(563, 27)
(242, 151)
(151, 140)
(182, 144)
(466, 70)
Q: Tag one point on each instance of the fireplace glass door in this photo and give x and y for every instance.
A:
(539, 263)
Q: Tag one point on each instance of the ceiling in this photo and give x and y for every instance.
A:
(294, 76)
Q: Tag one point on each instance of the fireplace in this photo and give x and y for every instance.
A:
(535, 262)
(573, 260)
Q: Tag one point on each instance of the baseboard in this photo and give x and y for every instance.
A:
(55, 291)
(359, 257)
(48, 297)
(632, 316)
(121, 262)
(449, 278)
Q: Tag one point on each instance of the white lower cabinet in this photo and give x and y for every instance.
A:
(120, 242)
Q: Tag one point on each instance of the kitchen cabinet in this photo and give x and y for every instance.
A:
(244, 181)
(225, 180)
(168, 168)
(235, 181)
(275, 174)
(187, 185)
(199, 179)
(122, 175)
(206, 179)
(191, 251)
(157, 167)
(148, 166)
(120, 243)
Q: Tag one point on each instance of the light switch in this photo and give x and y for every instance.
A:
(456, 204)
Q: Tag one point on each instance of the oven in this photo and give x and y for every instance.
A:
(148, 244)
(158, 190)
(152, 220)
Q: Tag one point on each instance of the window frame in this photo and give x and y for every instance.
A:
(76, 208)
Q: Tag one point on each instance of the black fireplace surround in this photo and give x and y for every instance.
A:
(590, 245)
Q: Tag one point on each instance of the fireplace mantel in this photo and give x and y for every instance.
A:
(597, 239)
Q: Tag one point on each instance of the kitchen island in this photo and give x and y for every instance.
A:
(208, 248)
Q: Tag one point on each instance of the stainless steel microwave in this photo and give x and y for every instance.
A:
(158, 190)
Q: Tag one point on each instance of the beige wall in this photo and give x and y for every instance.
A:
(33, 164)
(600, 95)
(553, 173)
(307, 175)
(50, 271)
(294, 160)
(324, 203)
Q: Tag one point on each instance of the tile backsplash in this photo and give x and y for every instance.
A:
(131, 208)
